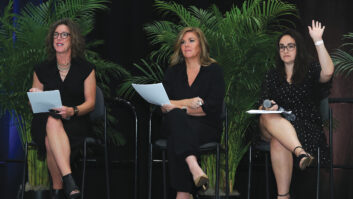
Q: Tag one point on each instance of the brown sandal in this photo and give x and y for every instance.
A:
(202, 182)
(307, 158)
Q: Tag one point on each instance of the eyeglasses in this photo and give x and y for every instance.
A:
(289, 47)
(63, 35)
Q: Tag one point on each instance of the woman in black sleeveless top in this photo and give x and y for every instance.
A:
(56, 133)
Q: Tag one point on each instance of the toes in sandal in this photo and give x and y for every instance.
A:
(202, 182)
(306, 157)
(70, 188)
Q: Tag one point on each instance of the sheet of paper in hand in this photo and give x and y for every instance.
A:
(152, 93)
(42, 102)
(267, 112)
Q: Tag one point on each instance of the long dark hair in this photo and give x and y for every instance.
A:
(302, 58)
(77, 40)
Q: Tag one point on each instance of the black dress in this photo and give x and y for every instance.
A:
(72, 94)
(303, 99)
(186, 133)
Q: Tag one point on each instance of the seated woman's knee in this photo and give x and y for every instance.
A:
(264, 118)
(274, 142)
(54, 123)
(276, 145)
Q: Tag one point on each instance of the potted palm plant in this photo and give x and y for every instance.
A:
(342, 57)
(241, 40)
(23, 47)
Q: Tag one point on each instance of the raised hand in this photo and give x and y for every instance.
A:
(316, 30)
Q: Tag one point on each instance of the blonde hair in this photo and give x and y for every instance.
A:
(177, 57)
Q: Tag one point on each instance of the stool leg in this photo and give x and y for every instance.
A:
(136, 156)
(227, 175)
(249, 172)
(164, 176)
(267, 177)
(84, 169)
(318, 174)
(150, 173)
(107, 172)
(24, 171)
(331, 153)
(217, 173)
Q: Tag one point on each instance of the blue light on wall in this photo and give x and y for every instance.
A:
(8, 127)
(10, 143)
(15, 146)
(14, 151)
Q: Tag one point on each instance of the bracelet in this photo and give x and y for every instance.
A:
(75, 111)
(318, 43)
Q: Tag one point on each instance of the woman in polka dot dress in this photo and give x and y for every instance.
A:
(297, 86)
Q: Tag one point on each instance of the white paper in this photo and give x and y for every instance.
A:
(43, 101)
(266, 112)
(152, 93)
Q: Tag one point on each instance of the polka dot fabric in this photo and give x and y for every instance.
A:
(303, 99)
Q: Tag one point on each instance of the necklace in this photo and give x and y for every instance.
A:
(64, 67)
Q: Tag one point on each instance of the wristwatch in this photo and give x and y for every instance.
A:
(75, 111)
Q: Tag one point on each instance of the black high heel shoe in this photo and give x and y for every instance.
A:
(307, 158)
(57, 194)
(70, 186)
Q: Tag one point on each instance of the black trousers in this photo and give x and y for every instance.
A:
(185, 134)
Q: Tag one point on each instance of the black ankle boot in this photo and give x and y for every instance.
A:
(69, 186)
(57, 194)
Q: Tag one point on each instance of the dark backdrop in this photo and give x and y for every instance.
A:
(125, 43)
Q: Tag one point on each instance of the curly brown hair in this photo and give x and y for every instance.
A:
(77, 39)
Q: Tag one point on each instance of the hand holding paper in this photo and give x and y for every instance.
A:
(42, 102)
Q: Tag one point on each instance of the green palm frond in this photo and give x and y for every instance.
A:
(79, 8)
(82, 11)
(5, 23)
(257, 15)
(206, 18)
(185, 16)
(39, 14)
(151, 73)
(343, 56)
(33, 22)
(106, 71)
(94, 43)
(348, 36)
(162, 33)
(278, 12)
(343, 62)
